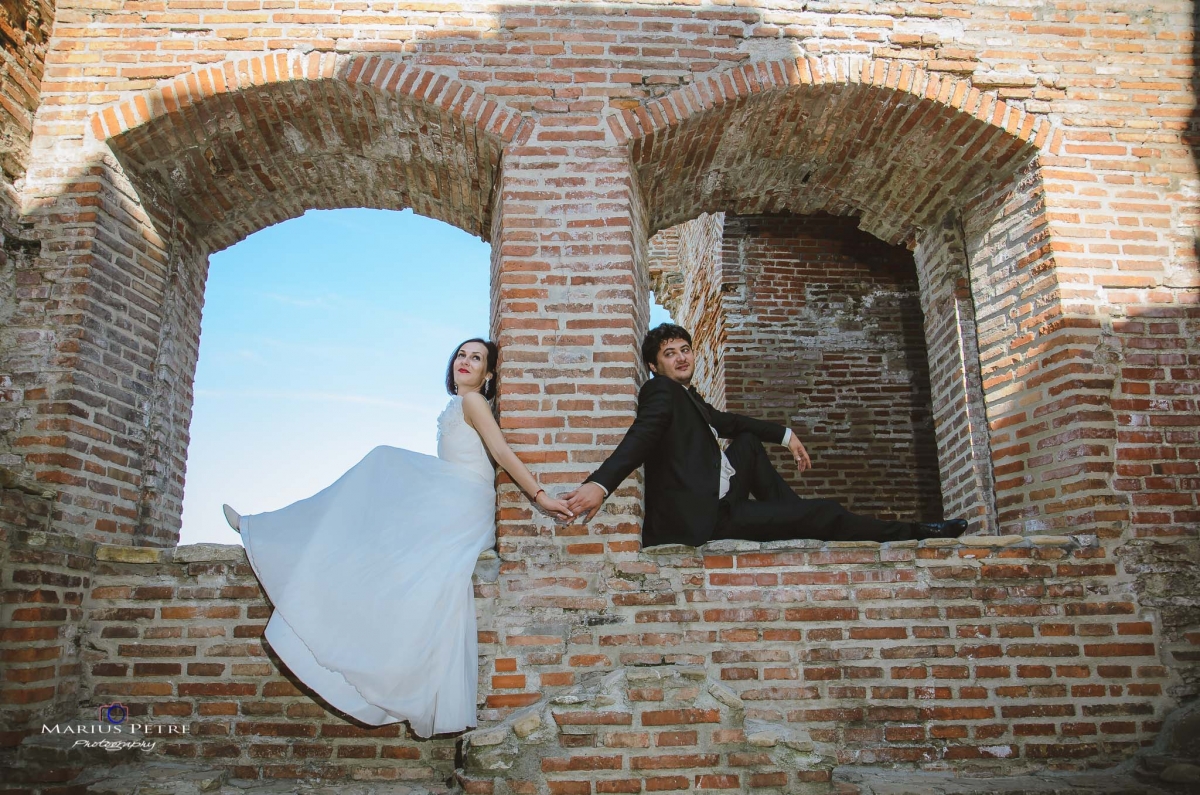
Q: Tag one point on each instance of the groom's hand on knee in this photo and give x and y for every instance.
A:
(803, 462)
(585, 500)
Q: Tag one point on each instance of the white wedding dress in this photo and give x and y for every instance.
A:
(371, 581)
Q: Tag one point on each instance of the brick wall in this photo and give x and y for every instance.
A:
(1049, 144)
(1157, 413)
(1013, 651)
(46, 578)
(719, 110)
(1006, 653)
(825, 335)
(174, 635)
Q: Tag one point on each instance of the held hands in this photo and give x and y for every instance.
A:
(585, 500)
(803, 462)
(556, 508)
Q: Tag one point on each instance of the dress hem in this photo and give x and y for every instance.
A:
(293, 668)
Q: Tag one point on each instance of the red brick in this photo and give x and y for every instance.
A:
(671, 716)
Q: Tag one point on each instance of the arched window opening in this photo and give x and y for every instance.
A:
(322, 337)
(808, 321)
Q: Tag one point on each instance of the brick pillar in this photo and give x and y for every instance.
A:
(169, 409)
(106, 422)
(1046, 371)
(108, 321)
(39, 568)
(570, 304)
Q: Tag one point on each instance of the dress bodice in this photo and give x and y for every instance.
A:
(458, 443)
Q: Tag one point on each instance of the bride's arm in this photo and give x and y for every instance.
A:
(479, 416)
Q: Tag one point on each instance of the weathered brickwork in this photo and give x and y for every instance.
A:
(829, 637)
(855, 381)
(661, 728)
(46, 578)
(1007, 651)
(1037, 159)
(24, 35)
(1155, 402)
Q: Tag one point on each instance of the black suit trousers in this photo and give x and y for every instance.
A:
(777, 513)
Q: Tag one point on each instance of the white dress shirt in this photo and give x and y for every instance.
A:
(727, 470)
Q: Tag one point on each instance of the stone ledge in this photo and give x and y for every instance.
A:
(891, 781)
(48, 541)
(487, 566)
(727, 546)
(184, 778)
(211, 553)
(198, 778)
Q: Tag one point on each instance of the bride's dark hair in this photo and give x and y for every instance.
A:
(489, 386)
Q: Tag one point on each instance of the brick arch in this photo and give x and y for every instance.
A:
(246, 143)
(930, 162)
(848, 107)
(207, 159)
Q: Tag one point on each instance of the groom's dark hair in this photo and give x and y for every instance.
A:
(489, 386)
(655, 338)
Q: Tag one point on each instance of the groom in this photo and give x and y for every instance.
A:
(697, 493)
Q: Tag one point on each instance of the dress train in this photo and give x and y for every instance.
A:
(371, 581)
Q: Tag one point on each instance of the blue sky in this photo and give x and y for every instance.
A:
(323, 337)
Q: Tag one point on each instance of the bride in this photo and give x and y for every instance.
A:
(371, 577)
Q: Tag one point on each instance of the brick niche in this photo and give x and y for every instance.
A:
(818, 326)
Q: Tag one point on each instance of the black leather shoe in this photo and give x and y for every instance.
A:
(951, 529)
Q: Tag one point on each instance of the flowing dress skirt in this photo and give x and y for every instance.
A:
(371, 583)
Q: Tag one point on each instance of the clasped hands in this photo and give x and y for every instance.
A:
(587, 499)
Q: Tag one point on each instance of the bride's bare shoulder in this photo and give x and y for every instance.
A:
(476, 408)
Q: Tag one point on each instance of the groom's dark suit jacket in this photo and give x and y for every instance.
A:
(683, 462)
